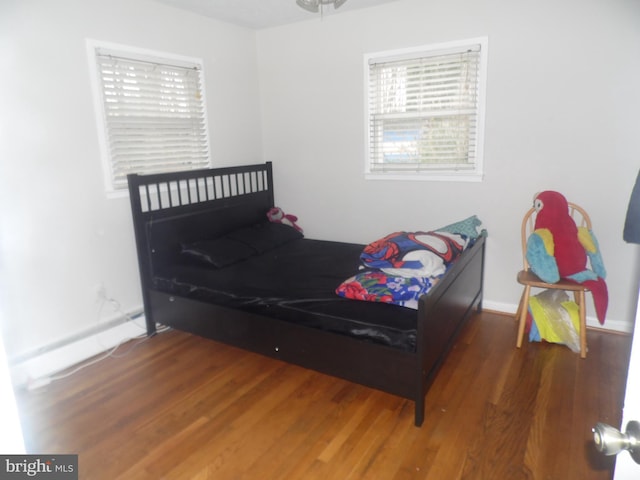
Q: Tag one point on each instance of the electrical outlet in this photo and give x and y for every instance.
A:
(100, 292)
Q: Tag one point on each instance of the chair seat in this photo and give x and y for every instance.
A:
(527, 277)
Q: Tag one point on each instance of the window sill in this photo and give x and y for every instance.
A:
(426, 177)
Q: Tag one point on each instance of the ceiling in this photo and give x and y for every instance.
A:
(258, 14)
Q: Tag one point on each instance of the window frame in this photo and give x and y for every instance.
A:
(428, 51)
(94, 48)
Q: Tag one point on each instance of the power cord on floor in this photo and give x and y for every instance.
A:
(42, 382)
(111, 352)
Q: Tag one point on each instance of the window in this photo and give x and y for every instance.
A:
(151, 111)
(425, 112)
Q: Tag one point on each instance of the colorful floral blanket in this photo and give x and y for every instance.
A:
(377, 286)
(402, 266)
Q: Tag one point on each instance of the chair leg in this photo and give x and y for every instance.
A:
(583, 323)
(517, 317)
(522, 310)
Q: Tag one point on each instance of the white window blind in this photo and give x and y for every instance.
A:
(424, 112)
(154, 114)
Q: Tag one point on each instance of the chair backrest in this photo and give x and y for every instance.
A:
(576, 212)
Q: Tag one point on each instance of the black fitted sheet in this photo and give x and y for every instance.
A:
(296, 282)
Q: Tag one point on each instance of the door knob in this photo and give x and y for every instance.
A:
(611, 441)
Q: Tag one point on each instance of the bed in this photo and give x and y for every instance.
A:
(282, 302)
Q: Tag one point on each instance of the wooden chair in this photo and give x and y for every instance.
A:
(530, 280)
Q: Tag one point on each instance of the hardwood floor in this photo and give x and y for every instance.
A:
(181, 407)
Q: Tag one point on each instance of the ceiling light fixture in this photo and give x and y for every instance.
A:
(316, 6)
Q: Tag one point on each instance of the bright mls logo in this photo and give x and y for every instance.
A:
(52, 467)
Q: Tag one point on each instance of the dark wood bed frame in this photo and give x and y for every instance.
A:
(186, 206)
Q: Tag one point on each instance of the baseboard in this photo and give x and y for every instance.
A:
(611, 324)
(33, 370)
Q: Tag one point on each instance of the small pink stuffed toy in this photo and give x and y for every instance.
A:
(276, 215)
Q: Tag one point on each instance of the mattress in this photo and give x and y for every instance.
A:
(296, 282)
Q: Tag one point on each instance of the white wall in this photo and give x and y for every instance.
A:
(60, 236)
(561, 114)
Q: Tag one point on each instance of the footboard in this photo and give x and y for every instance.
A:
(443, 313)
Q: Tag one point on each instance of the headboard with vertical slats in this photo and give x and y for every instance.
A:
(164, 192)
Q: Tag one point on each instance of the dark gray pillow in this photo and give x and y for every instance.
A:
(217, 253)
(265, 236)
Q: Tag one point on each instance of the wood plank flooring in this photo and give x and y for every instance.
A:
(181, 407)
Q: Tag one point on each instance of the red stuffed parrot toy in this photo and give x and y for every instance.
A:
(557, 249)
